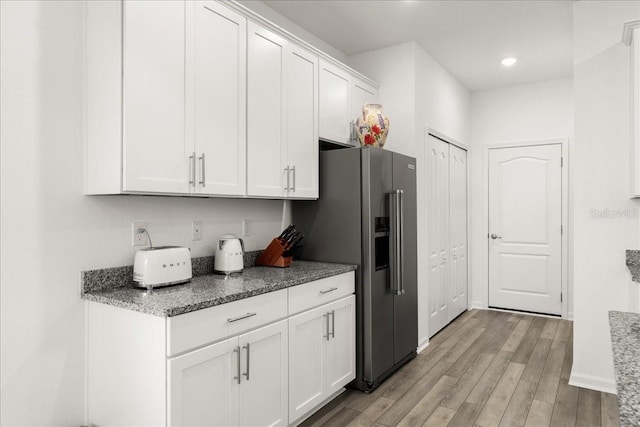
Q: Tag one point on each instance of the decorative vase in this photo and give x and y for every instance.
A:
(373, 127)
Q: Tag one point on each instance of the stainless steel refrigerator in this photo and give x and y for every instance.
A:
(366, 215)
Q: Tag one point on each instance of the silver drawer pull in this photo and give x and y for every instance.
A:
(235, 319)
(329, 290)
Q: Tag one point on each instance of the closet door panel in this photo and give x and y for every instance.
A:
(438, 233)
(458, 230)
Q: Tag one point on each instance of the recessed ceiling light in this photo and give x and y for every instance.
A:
(508, 62)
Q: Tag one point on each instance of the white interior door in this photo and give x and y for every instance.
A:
(457, 231)
(438, 233)
(525, 219)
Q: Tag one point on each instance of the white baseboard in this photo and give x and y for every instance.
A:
(422, 345)
(477, 305)
(605, 385)
(570, 316)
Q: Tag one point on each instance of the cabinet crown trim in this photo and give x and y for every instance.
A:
(258, 19)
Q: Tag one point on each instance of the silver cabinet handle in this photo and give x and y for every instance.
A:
(287, 170)
(494, 236)
(326, 316)
(248, 347)
(192, 169)
(235, 319)
(238, 378)
(202, 167)
(333, 323)
(352, 131)
(329, 290)
(293, 187)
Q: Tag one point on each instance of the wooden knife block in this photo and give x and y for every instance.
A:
(272, 256)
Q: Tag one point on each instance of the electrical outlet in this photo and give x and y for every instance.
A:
(196, 230)
(246, 227)
(138, 236)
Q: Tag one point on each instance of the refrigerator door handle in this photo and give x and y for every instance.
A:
(397, 230)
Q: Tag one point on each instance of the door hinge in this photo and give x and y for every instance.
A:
(561, 162)
(561, 229)
(560, 296)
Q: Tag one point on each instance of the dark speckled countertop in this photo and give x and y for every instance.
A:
(625, 342)
(213, 289)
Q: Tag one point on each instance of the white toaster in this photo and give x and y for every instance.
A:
(162, 266)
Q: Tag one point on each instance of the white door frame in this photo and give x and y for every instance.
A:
(564, 143)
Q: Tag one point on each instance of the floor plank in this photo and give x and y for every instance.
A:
(487, 368)
(497, 403)
(539, 414)
(588, 408)
(518, 409)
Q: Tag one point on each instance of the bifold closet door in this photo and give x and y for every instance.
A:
(446, 232)
(438, 233)
(457, 231)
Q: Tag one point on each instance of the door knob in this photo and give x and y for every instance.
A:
(494, 236)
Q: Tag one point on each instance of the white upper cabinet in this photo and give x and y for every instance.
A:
(204, 98)
(178, 94)
(265, 110)
(216, 75)
(154, 150)
(282, 106)
(342, 95)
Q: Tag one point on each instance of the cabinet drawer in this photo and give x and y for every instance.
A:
(313, 294)
(201, 327)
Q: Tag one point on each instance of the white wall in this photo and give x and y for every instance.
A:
(417, 92)
(529, 112)
(601, 174)
(265, 11)
(51, 232)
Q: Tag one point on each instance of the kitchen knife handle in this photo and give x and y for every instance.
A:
(248, 347)
(235, 319)
(239, 377)
(192, 169)
(202, 167)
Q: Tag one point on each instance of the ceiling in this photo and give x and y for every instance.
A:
(468, 38)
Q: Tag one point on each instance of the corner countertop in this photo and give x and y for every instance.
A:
(633, 264)
(213, 289)
(625, 342)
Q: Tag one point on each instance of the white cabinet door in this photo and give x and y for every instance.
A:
(202, 389)
(265, 113)
(216, 72)
(340, 349)
(307, 334)
(361, 93)
(335, 104)
(302, 122)
(264, 386)
(458, 231)
(155, 156)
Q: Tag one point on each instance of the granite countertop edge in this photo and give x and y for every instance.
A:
(625, 343)
(115, 297)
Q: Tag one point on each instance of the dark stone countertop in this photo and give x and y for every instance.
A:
(210, 290)
(625, 342)
(633, 264)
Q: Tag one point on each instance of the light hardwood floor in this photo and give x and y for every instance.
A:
(486, 368)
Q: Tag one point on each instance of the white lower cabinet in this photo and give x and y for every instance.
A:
(240, 381)
(243, 363)
(322, 354)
